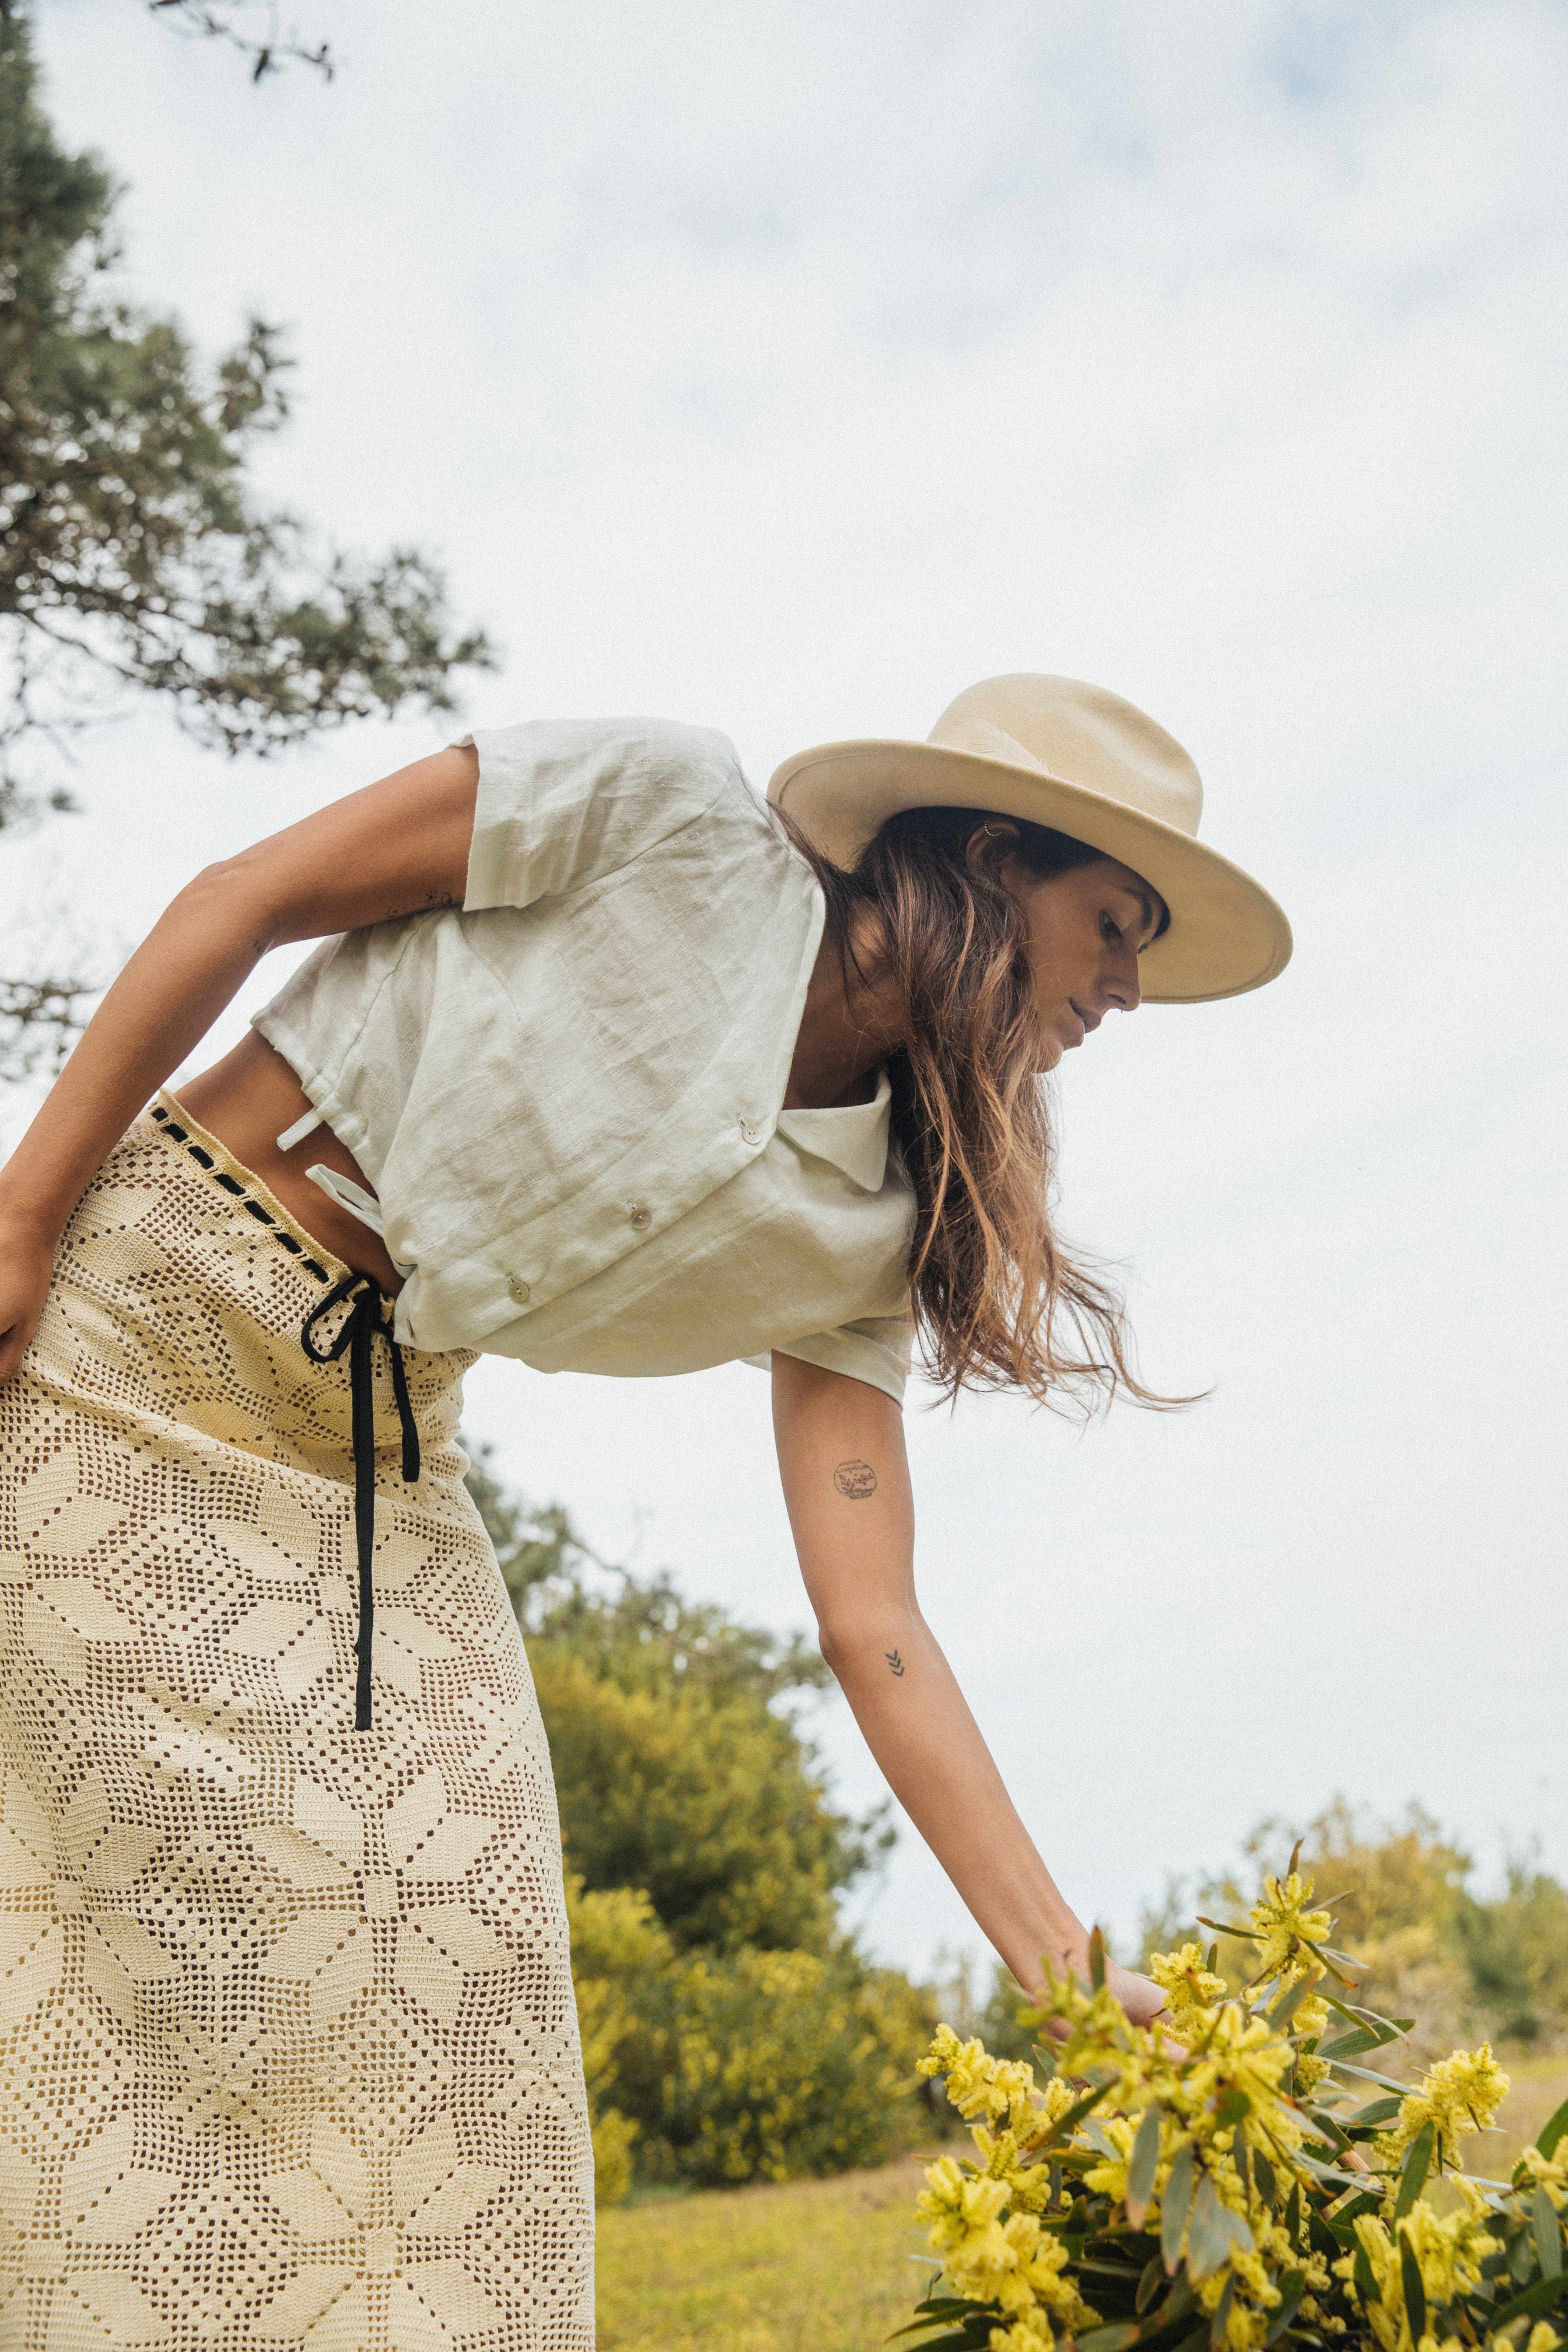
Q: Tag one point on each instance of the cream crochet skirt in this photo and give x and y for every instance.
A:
(288, 2048)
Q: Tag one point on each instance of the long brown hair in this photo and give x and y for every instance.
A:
(998, 1301)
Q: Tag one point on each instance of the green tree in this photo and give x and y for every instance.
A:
(678, 1767)
(729, 2029)
(134, 556)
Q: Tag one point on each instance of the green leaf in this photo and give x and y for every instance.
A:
(1069, 2121)
(970, 2339)
(1290, 2001)
(1232, 2108)
(1173, 2209)
(1208, 2238)
(1349, 2045)
(1217, 2327)
(1387, 2029)
(1114, 2339)
(1211, 1962)
(1240, 2155)
(1097, 1977)
(1530, 2304)
(1149, 2285)
(1546, 2139)
(1242, 1935)
(1548, 2235)
(1365, 2075)
(1263, 2173)
(1413, 2173)
(1377, 2111)
(1366, 2286)
(1293, 2213)
(1141, 2168)
(1046, 2060)
(1415, 2291)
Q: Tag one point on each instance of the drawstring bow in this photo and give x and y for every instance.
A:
(355, 1339)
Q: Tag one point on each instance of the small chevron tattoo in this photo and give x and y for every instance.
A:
(894, 1660)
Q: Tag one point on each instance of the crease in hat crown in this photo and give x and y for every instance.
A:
(1082, 760)
(1074, 733)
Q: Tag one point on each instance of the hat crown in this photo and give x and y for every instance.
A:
(1076, 734)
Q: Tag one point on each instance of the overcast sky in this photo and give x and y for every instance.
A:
(788, 367)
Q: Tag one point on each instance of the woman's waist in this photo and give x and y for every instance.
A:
(182, 1291)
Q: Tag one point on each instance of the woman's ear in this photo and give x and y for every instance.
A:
(991, 840)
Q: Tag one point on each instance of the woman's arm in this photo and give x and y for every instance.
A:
(399, 847)
(847, 1488)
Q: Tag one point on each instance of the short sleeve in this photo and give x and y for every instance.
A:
(564, 802)
(877, 1351)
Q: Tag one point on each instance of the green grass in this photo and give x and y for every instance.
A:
(822, 2265)
(812, 2266)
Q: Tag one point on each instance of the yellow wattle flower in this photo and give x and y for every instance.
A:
(1281, 1921)
(1461, 2094)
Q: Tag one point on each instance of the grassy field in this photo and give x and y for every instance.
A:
(823, 2266)
(813, 2266)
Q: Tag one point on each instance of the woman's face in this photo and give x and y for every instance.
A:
(1087, 930)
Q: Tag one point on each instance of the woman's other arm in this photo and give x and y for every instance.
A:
(398, 848)
(847, 1488)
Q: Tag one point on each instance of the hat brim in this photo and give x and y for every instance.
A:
(1227, 935)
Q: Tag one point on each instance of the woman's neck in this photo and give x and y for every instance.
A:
(849, 1026)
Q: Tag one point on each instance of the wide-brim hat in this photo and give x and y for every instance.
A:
(1083, 762)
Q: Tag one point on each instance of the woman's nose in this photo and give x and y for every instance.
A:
(1124, 988)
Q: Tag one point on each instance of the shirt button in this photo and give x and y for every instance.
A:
(521, 1291)
(749, 1134)
(639, 1219)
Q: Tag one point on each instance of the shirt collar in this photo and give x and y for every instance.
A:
(851, 1136)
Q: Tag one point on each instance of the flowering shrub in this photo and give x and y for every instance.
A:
(1230, 2183)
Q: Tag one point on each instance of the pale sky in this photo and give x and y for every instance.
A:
(786, 368)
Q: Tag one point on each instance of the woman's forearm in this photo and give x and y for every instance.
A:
(169, 994)
(917, 1724)
(846, 1481)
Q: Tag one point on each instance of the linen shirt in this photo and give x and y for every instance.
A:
(568, 1093)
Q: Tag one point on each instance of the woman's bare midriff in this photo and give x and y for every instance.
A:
(250, 1099)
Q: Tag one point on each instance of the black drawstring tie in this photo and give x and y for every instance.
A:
(359, 1328)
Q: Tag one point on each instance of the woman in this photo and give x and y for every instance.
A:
(605, 1065)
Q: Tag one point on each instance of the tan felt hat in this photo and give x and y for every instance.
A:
(1082, 760)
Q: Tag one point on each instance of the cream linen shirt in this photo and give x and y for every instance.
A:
(568, 1094)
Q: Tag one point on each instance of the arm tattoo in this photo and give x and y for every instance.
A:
(855, 1481)
(895, 1661)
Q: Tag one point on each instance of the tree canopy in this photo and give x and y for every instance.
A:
(134, 557)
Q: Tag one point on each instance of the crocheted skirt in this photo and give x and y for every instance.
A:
(289, 2054)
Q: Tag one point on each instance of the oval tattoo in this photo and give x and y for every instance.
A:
(855, 1481)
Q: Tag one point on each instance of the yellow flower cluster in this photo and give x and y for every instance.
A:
(1449, 2250)
(1283, 1924)
(1012, 2262)
(1548, 2172)
(1204, 2145)
(1188, 1986)
(1459, 2095)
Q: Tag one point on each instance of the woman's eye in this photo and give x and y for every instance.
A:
(1110, 931)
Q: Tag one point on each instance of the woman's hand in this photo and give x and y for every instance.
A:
(26, 1266)
(1141, 1997)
